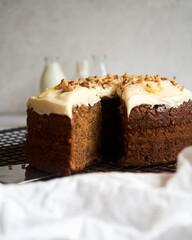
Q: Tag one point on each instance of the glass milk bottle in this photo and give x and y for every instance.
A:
(81, 70)
(52, 74)
(98, 66)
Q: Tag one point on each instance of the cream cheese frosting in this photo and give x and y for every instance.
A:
(164, 93)
(59, 102)
(62, 103)
(134, 90)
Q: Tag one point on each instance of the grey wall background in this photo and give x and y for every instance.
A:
(138, 36)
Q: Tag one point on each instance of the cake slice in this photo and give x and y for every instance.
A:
(65, 125)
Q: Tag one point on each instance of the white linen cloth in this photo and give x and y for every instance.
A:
(101, 206)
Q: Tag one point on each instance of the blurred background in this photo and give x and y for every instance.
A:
(138, 36)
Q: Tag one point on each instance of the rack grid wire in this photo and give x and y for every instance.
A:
(12, 152)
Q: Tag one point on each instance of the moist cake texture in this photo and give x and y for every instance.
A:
(133, 120)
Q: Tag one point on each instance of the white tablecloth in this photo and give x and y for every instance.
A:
(101, 206)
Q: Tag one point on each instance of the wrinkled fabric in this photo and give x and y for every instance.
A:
(100, 206)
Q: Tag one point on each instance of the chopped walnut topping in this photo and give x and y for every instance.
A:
(122, 86)
(116, 77)
(149, 85)
(133, 82)
(90, 79)
(67, 89)
(130, 79)
(104, 81)
(80, 81)
(62, 84)
(73, 83)
(156, 80)
(126, 75)
(182, 88)
(85, 84)
(141, 77)
(109, 76)
(147, 78)
(174, 82)
(65, 86)
(140, 80)
(124, 80)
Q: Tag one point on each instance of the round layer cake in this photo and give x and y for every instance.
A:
(132, 120)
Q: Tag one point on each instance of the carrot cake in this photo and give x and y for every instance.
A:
(134, 120)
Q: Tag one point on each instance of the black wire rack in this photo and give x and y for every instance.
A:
(12, 146)
(12, 152)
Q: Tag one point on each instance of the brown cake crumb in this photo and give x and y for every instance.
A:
(23, 166)
(10, 167)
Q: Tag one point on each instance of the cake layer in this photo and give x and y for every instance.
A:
(147, 116)
(155, 146)
(150, 139)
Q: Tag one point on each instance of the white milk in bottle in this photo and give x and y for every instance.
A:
(52, 74)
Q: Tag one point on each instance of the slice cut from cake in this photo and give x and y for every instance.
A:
(57, 144)
(133, 120)
(65, 125)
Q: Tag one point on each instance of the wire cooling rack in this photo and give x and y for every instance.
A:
(12, 146)
(12, 152)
